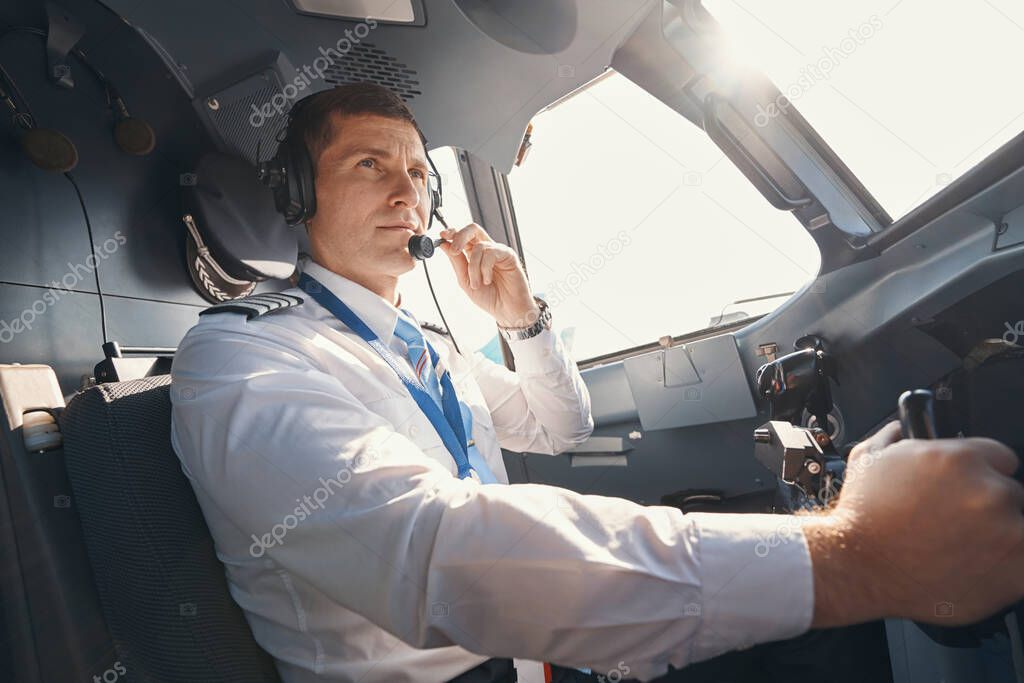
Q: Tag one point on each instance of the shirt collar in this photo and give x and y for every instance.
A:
(378, 314)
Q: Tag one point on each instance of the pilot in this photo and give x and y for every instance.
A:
(348, 463)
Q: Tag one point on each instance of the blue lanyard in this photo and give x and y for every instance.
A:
(448, 424)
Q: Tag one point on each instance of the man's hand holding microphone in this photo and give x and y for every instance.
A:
(491, 275)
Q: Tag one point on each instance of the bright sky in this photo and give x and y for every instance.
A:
(636, 226)
(917, 92)
(614, 170)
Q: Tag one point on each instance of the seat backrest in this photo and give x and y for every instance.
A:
(162, 589)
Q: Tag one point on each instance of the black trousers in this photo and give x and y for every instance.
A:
(852, 654)
(491, 671)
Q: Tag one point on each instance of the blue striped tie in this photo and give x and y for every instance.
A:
(419, 356)
(422, 366)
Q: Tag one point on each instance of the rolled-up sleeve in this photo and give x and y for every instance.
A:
(542, 407)
(526, 571)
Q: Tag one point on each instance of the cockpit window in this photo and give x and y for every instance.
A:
(634, 225)
(909, 93)
(473, 329)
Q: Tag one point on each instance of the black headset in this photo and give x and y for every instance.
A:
(290, 173)
(51, 150)
(47, 148)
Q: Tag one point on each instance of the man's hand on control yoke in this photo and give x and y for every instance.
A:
(490, 273)
(921, 529)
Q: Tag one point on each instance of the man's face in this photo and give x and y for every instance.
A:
(372, 196)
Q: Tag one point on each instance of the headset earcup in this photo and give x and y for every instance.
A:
(435, 204)
(435, 196)
(273, 173)
(436, 193)
(305, 180)
(49, 149)
(287, 199)
(134, 136)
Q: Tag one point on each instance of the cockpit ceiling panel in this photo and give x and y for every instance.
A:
(465, 73)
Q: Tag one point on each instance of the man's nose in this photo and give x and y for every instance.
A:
(405, 192)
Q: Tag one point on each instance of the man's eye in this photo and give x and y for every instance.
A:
(367, 163)
(416, 173)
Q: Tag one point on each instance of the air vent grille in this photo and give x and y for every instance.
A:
(367, 62)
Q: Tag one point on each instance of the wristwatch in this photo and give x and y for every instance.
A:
(542, 323)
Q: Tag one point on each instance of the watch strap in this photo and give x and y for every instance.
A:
(543, 322)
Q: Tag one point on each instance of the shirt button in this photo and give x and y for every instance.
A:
(414, 431)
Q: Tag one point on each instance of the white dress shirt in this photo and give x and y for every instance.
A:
(358, 555)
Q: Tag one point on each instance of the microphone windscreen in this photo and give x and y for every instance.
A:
(134, 136)
(49, 149)
(421, 247)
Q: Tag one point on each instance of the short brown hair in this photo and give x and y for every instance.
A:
(312, 119)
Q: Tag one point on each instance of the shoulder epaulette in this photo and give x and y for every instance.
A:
(435, 328)
(256, 305)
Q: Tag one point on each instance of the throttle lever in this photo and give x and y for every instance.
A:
(917, 414)
(917, 418)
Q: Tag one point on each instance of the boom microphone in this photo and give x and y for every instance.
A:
(422, 247)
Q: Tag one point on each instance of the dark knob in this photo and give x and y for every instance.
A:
(917, 414)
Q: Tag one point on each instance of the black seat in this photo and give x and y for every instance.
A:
(162, 589)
